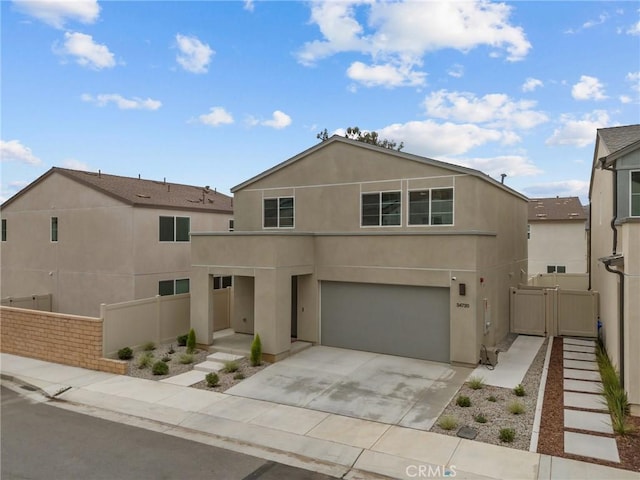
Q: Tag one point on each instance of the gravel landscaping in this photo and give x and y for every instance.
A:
(496, 413)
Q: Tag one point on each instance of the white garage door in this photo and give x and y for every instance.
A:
(408, 321)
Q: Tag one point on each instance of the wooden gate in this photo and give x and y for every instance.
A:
(553, 311)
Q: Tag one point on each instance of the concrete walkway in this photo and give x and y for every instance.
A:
(332, 444)
(582, 391)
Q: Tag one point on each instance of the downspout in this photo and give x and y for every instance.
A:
(607, 266)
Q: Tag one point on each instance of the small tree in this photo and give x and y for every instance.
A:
(256, 351)
(354, 133)
(191, 341)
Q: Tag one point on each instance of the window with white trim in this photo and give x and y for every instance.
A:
(381, 209)
(278, 212)
(173, 287)
(432, 206)
(222, 282)
(174, 229)
(635, 193)
(556, 269)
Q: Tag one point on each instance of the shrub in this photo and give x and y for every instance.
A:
(519, 390)
(149, 347)
(212, 379)
(507, 435)
(615, 396)
(182, 339)
(166, 358)
(231, 366)
(256, 351)
(191, 341)
(516, 408)
(476, 383)
(145, 360)
(448, 422)
(186, 358)
(480, 418)
(463, 401)
(125, 353)
(160, 368)
(492, 398)
(238, 376)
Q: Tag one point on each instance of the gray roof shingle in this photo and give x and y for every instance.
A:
(617, 138)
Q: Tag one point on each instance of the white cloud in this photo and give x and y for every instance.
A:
(249, 5)
(86, 52)
(385, 75)
(603, 17)
(216, 116)
(15, 151)
(579, 132)
(531, 84)
(625, 99)
(57, 12)
(634, 29)
(11, 190)
(588, 88)
(121, 102)
(512, 165)
(563, 188)
(436, 140)
(74, 164)
(495, 109)
(401, 33)
(456, 71)
(194, 55)
(278, 121)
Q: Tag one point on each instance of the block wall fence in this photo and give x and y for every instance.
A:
(56, 337)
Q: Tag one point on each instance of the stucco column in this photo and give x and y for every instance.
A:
(201, 287)
(273, 311)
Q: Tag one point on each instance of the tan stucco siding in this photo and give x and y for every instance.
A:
(557, 243)
(630, 237)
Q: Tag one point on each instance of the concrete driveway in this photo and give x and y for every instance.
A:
(370, 386)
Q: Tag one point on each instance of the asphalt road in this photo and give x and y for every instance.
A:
(40, 441)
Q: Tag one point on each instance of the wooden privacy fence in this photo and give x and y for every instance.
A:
(553, 311)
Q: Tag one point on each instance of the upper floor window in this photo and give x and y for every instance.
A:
(381, 209)
(54, 229)
(278, 212)
(635, 193)
(4, 229)
(173, 287)
(431, 207)
(174, 229)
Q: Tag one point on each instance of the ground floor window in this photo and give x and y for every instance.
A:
(222, 282)
(556, 269)
(173, 287)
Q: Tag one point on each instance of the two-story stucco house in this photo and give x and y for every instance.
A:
(614, 195)
(91, 238)
(357, 246)
(557, 236)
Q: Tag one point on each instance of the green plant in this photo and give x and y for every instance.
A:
(186, 358)
(191, 341)
(182, 339)
(615, 396)
(492, 398)
(145, 360)
(212, 379)
(125, 353)
(231, 366)
(507, 435)
(516, 408)
(476, 383)
(463, 401)
(238, 376)
(480, 418)
(256, 351)
(160, 368)
(448, 422)
(519, 390)
(149, 346)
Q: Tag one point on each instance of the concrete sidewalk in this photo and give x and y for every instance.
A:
(332, 444)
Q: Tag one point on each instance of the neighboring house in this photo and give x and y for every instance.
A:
(557, 236)
(614, 195)
(357, 246)
(91, 238)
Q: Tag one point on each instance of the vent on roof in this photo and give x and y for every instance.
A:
(574, 214)
(142, 195)
(541, 214)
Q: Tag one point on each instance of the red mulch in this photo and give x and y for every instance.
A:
(551, 440)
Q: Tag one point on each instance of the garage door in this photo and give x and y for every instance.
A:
(408, 321)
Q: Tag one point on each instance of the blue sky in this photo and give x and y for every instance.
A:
(212, 93)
